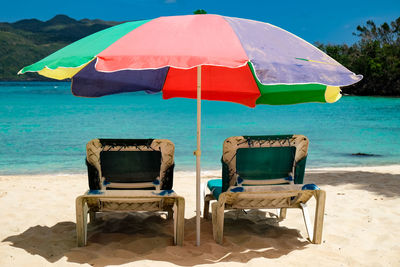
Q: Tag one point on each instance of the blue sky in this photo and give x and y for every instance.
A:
(323, 21)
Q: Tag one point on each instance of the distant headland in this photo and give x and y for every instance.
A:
(27, 41)
(376, 55)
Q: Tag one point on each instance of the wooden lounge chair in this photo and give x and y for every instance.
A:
(130, 175)
(264, 172)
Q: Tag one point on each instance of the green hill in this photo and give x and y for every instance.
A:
(27, 41)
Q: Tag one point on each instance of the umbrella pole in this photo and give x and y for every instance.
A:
(198, 155)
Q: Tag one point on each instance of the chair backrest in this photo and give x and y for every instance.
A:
(261, 160)
(130, 166)
(130, 163)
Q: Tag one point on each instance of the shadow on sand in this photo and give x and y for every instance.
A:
(125, 238)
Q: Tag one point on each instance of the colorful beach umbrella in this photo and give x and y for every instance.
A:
(206, 57)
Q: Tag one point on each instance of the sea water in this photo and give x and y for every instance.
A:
(44, 128)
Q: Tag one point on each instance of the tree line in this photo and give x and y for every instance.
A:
(376, 55)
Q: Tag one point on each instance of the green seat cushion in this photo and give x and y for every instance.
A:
(130, 166)
(215, 186)
(264, 163)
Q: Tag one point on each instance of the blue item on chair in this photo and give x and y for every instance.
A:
(215, 186)
(310, 187)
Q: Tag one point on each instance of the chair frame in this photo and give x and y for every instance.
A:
(133, 196)
(281, 197)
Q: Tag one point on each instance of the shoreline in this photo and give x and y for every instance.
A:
(215, 173)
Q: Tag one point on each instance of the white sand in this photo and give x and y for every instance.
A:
(362, 226)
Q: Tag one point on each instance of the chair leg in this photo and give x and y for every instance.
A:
(170, 214)
(175, 217)
(92, 216)
(218, 221)
(237, 213)
(81, 221)
(202, 196)
(307, 221)
(207, 199)
(282, 214)
(179, 220)
(206, 212)
(320, 197)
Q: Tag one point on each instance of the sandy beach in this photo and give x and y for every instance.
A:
(361, 227)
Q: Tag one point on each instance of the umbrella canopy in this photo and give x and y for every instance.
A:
(244, 61)
(207, 57)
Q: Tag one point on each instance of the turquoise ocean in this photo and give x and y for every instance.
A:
(44, 128)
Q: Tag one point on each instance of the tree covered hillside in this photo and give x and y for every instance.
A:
(27, 41)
